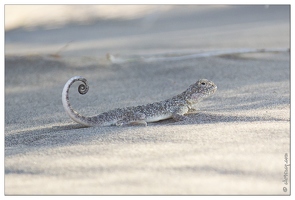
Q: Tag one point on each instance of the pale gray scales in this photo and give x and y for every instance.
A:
(174, 107)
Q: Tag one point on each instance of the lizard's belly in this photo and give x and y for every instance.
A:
(158, 117)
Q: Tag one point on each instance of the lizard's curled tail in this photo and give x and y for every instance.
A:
(82, 89)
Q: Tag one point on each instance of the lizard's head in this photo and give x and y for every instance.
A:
(200, 90)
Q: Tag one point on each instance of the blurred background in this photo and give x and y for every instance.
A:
(143, 30)
(55, 16)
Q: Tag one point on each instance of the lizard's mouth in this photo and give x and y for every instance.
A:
(211, 91)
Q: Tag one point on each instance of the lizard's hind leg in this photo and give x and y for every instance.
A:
(134, 119)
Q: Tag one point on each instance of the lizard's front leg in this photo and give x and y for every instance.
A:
(178, 114)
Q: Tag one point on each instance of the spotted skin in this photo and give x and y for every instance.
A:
(175, 107)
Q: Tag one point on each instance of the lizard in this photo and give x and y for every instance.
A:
(175, 107)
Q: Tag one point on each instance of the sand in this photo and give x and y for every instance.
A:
(235, 143)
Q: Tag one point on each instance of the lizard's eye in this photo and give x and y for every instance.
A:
(203, 83)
